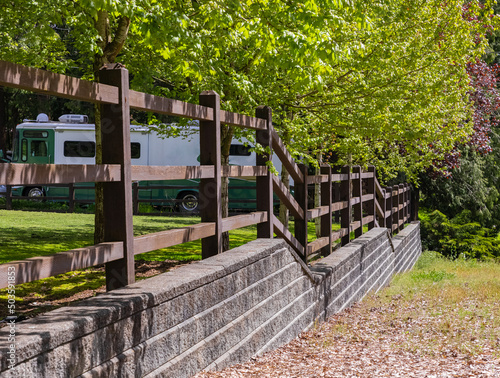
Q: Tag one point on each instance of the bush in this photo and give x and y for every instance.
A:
(458, 236)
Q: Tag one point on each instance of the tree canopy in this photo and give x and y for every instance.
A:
(379, 82)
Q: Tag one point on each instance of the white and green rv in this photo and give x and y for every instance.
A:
(71, 140)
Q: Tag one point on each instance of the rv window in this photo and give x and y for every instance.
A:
(239, 150)
(24, 150)
(38, 148)
(35, 134)
(79, 149)
(136, 150)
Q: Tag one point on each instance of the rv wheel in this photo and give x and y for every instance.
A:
(189, 202)
(34, 192)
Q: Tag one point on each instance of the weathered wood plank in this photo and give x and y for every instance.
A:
(43, 174)
(243, 171)
(169, 238)
(354, 225)
(317, 212)
(368, 219)
(286, 159)
(366, 175)
(318, 179)
(340, 176)
(37, 80)
(367, 197)
(317, 244)
(244, 220)
(282, 232)
(355, 201)
(336, 206)
(379, 210)
(168, 106)
(151, 173)
(240, 120)
(36, 268)
(285, 196)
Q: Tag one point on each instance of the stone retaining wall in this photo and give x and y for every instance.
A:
(206, 315)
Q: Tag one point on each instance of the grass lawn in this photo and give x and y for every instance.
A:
(29, 234)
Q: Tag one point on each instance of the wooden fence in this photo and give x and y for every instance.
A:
(351, 193)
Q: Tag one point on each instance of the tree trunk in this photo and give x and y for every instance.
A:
(3, 122)
(226, 138)
(284, 213)
(110, 49)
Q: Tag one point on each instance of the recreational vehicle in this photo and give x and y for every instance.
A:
(71, 140)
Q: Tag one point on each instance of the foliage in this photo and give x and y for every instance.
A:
(458, 236)
(371, 81)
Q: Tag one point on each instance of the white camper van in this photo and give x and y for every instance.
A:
(71, 140)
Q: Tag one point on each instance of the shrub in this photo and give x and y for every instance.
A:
(458, 236)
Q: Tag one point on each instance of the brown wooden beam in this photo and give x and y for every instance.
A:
(244, 220)
(243, 171)
(53, 84)
(210, 192)
(36, 268)
(162, 105)
(44, 174)
(152, 173)
(286, 159)
(240, 120)
(285, 196)
(117, 196)
(283, 233)
(169, 238)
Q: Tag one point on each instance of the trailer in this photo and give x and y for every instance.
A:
(71, 140)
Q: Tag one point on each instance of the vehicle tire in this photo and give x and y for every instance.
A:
(34, 192)
(189, 202)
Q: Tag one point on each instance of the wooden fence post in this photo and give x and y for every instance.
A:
(71, 198)
(383, 219)
(8, 197)
(345, 196)
(264, 184)
(135, 196)
(326, 200)
(395, 212)
(388, 207)
(301, 196)
(401, 205)
(210, 193)
(357, 192)
(117, 196)
(370, 206)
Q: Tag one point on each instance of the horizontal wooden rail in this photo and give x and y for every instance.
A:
(283, 232)
(285, 196)
(355, 201)
(169, 238)
(365, 175)
(366, 197)
(151, 173)
(368, 219)
(317, 244)
(244, 220)
(336, 235)
(340, 176)
(240, 120)
(317, 212)
(243, 171)
(336, 206)
(44, 174)
(36, 268)
(318, 179)
(286, 159)
(355, 225)
(162, 105)
(37, 80)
